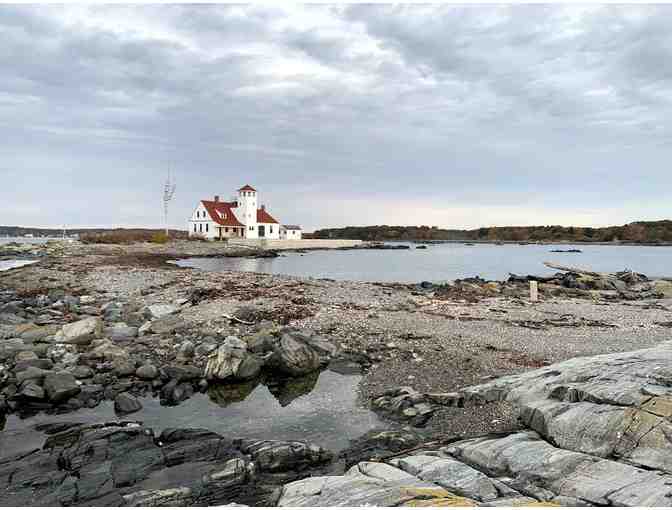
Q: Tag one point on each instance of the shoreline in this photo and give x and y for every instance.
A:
(441, 339)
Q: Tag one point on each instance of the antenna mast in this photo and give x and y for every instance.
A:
(168, 192)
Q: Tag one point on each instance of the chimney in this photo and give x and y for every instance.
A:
(216, 198)
(263, 207)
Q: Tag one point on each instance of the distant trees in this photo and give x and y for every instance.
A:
(638, 232)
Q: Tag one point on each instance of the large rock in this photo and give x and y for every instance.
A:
(368, 484)
(292, 355)
(147, 372)
(275, 456)
(60, 386)
(120, 332)
(613, 405)
(108, 351)
(125, 403)
(160, 310)
(80, 332)
(232, 361)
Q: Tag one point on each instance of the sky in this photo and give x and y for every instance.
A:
(446, 115)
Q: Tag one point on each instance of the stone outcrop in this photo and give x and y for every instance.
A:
(110, 464)
(597, 433)
(405, 404)
(232, 361)
(80, 332)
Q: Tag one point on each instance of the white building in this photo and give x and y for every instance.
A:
(239, 218)
(290, 232)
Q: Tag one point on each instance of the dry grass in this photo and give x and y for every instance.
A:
(131, 235)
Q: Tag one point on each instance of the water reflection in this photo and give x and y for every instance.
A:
(321, 407)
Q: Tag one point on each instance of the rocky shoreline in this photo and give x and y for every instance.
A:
(90, 323)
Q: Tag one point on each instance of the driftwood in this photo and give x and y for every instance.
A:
(577, 270)
(236, 319)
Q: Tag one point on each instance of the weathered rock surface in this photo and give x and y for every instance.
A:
(405, 404)
(124, 464)
(124, 403)
(232, 361)
(60, 386)
(80, 332)
(293, 355)
(598, 435)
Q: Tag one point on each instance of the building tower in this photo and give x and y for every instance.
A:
(247, 208)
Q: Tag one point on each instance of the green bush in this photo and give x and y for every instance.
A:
(160, 238)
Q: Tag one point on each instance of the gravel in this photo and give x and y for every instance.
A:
(404, 335)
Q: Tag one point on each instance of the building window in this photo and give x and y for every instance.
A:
(251, 228)
(200, 227)
(226, 229)
(206, 226)
(194, 227)
(270, 229)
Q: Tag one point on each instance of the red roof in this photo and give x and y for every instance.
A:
(221, 213)
(264, 217)
(247, 187)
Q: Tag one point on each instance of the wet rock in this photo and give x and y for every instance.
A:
(379, 443)
(60, 386)
(80, 332)
(294, 356)
(31, 390)
(275, 456)
(147, 372)
(232, 361)
(405, 404)
(205, 348)
(180, 496)
(175, 392)
(261, 343)
(125, 403)
(182, 373)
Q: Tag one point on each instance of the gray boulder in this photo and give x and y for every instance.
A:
(292, 355)
(30, 390)
(80, 332)
(60, 386)
(125, 403)
(121, 332)
(185, 351)
(232, 361)
(147, 372)
(160, 310)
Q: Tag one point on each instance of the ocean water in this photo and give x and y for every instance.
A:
(441, 262)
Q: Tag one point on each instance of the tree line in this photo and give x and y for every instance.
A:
(636, 232)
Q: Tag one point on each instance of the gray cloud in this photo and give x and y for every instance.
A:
(449, 115)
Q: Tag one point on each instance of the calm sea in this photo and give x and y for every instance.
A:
(447, 262)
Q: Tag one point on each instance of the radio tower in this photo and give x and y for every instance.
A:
(168, 192)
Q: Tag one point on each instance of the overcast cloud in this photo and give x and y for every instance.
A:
(348, 115)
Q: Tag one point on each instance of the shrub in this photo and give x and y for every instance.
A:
(160, 238)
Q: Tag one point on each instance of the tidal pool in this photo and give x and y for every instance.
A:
(321, 408)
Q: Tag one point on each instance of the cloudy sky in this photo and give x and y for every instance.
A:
(347, 115)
